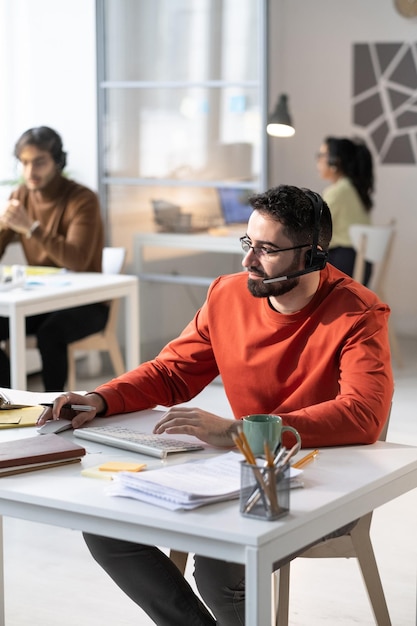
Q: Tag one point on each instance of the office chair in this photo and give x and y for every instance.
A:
(354, 542)
(105, 340)
(374, 244)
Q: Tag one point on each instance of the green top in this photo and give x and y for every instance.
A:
(346, 208)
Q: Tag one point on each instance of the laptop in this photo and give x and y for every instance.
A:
(234, 205)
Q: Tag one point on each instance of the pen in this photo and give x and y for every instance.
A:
(306, 459)
(75, 407)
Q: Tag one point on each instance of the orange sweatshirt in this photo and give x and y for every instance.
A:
(325, 369)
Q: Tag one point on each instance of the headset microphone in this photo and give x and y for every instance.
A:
(278, 279)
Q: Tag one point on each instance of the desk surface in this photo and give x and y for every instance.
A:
(62, 286)
(199, 242)
(61, 291)
(340, 485)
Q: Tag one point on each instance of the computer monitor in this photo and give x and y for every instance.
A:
(234, 205)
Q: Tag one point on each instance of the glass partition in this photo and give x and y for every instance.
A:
(181, 110)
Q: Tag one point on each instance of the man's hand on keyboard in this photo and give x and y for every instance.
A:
(215, 430)
(65, 406)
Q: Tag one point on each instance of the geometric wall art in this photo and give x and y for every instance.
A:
(384, 102)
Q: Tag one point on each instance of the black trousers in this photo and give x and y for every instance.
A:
(155, 584)
(344, 260)
(54, 331)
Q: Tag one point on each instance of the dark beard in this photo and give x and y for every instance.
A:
(261, 290)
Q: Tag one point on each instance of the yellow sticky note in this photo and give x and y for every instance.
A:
(25, 416)
(94, 472)
(122, 466)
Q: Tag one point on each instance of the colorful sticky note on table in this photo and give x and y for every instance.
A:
(18, 418)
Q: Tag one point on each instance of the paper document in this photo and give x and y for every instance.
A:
(14, 399)
(185, 486)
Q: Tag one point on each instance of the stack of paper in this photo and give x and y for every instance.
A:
(185, 486)
(22, 408)
(16, 399)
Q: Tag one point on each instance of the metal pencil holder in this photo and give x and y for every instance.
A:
(264, 491)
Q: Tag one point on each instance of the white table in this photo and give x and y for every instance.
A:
(341, 485)
(61, 291)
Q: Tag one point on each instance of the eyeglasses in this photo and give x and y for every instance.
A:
(261, 251)
(321, 155)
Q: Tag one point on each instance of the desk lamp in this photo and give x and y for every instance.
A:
(280, 123)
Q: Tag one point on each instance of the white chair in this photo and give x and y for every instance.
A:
(374, 244)
(354, 543)
(105, 340)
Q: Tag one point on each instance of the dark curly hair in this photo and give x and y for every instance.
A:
(295, 208)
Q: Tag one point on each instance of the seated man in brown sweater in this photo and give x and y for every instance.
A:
(59, 224)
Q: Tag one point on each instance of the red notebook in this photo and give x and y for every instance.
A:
(41, 451)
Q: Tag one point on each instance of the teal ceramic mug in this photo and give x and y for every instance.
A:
(262, 427)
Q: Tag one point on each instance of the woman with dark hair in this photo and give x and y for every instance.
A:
(347, 164)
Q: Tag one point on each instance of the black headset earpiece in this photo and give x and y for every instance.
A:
(316, 258)
(61, 161)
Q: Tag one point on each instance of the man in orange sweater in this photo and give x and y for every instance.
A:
(291, 336)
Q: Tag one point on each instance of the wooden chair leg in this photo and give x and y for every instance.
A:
(179, 559)
(395, 346)
(71, 377)
(116, 358)
(369, 568)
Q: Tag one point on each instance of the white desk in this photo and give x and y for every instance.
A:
(65, 291)
(341, 485)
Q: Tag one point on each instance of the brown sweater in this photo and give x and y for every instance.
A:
(70, 234)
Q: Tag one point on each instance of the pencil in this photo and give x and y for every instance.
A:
(243, 450)
(268, 455)
(306, 459)
(249, 454)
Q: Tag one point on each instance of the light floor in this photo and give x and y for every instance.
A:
(51, 580)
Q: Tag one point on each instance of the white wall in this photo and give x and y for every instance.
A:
(312, 62)
(48, 78)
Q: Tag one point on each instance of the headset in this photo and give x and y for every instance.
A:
(315, 258)
(60, 159)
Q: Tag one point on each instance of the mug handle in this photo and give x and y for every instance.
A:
(293, 431)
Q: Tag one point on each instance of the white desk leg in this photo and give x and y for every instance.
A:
(132, 328)
(2, 608)
(258, 588)
(17, 325)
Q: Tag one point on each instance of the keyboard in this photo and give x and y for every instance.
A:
(128, 439)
